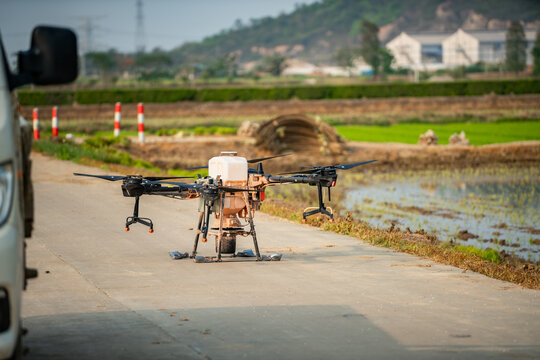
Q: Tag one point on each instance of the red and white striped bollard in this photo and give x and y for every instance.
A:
(140, 121)
(55, 123)
(35, 117)
(117, 117)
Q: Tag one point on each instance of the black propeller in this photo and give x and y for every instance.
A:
(316, 169)
(254, 161)
(250, 161)
(119, 177)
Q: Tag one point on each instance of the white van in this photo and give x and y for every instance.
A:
(52, 59)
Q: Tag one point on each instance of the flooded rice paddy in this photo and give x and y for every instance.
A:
(496, 208)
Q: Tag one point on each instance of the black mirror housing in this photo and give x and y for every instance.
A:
(52, 58)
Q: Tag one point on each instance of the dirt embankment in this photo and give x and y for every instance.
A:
(411, 105)
(189, 152)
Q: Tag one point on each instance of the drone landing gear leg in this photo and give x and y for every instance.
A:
(252, 229)
(321, 209)
(199, 227)
(130, 220)
(220, 235)
(254, 235)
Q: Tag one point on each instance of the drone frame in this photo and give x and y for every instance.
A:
(211, 190)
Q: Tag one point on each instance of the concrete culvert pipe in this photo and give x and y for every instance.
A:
(298, 133)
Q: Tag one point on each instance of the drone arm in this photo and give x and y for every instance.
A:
(306, 179)
(156, 188)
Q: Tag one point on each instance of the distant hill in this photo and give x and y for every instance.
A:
(315, 32)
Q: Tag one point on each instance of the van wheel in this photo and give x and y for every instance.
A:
(18, 352)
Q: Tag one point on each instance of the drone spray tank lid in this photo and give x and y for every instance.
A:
(232, 169)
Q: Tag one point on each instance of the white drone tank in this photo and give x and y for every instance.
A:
(232, 169)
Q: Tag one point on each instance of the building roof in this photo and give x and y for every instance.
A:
(430, 38)
(497, 35)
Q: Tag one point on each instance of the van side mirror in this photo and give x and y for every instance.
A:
(52, 58)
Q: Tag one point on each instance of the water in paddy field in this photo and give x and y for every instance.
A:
(497, 208)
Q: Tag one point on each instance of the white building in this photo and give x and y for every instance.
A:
(299, 67)
(470, 47)
(418, 51)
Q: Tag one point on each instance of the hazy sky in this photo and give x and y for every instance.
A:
(167, 23)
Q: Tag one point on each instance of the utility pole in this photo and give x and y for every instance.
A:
(139, 31)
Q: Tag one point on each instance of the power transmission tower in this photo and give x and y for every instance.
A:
(87, 41)
(139, 31)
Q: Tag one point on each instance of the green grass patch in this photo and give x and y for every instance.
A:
(198, 130)
(478, 133)
(182, 172)
(489, 255)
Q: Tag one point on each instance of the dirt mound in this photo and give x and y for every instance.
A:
(298, 133)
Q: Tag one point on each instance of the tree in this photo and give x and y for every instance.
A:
(224, 66)
(105, 62)
(370, 45)
(345, 57)
(516, 48)
(157, 59)
(274, 64)
(536, 55)
(386, 60)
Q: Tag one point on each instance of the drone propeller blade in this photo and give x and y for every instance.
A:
(350, 166)
(197, 167)
(316, 169)
(253, 161)
(104, 177)
(157, 178)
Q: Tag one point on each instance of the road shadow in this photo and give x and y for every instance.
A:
(270, 332)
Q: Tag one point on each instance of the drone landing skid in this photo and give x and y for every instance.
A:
(130, 220)
(315, 210)
(321, 208)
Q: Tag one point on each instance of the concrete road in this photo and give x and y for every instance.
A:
(104, 293)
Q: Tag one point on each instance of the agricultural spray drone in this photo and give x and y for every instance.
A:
(232, 191)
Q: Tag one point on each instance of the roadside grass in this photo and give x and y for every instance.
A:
(105, 152)
(479, 133)
(199, 130)
(486, 262)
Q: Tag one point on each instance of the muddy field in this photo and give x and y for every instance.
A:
(167, 152)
